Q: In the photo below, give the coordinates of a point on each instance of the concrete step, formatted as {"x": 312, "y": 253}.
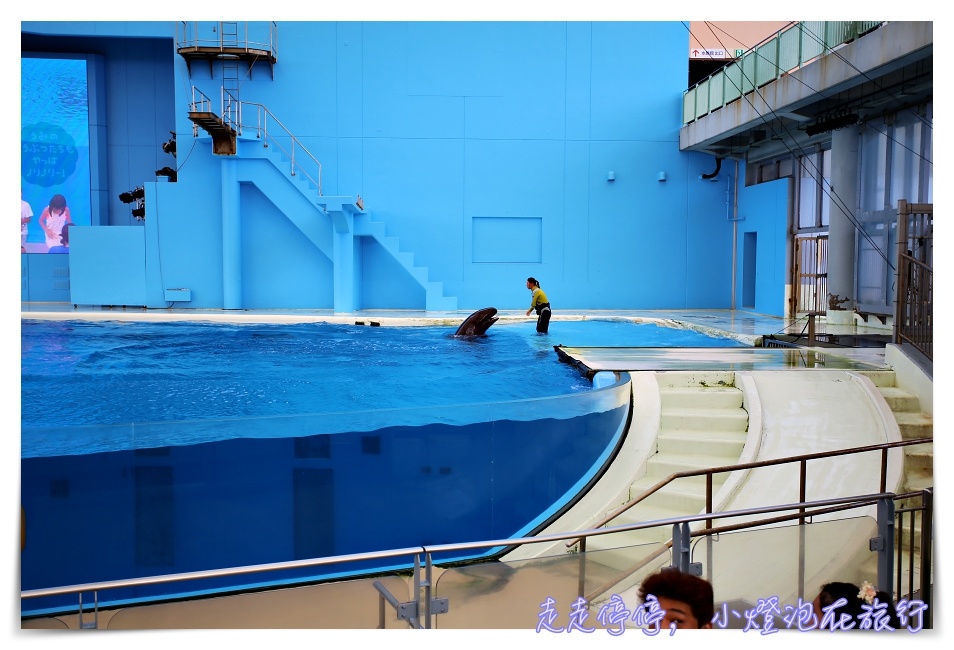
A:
{"x": 691, "y": 397}
{"x": 689, "y": 484}
{"x": 706, "y": 419}
{"x": 708, "y": 443}
{"x": 900, "y": 400}
{"x": 903, "y": 537}
{"x": 639, "y": 514}
{"x": 916, "y": 478}
{"x": 915, "y": 425}
{"x": 663, "y": 464}
{"x": 868, "y": 571}
{"x": 677, "y": 496}
{"x": 919, "y": 457}
{"x": 880, "y": 378}
{"x": 695, "y": 378}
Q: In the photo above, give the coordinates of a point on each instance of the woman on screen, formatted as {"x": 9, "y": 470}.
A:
{"x": 54, "y": 217}
{"x": 64, "y": 246}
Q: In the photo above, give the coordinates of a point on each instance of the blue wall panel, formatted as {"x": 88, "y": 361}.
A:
{"x": 507, "y": 239}
{"x": 114, "y": 252}
{"x": 416, "y": 188}
{"x": 280, "y": 268}
{"x": 185, "y": 218}
{"x": 764, "y": 208}
{"x": 385, "y": 284}
{"x": 434, "y": 124}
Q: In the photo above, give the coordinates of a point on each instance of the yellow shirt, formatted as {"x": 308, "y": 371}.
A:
{"x": 537, "y": 298}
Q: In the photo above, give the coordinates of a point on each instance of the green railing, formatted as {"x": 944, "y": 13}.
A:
{"x": 786, "y": 50}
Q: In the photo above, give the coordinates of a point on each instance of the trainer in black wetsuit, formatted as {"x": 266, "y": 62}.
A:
{"x": 540, "y": 304}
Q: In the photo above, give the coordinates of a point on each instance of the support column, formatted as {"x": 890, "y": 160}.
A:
{"x": 346, "y": 259}
{"x": 841, "y": 227}
{"x": 231, "y": 236}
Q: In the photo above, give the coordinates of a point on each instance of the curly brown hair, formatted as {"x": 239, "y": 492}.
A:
{"x": 675, "y": 585}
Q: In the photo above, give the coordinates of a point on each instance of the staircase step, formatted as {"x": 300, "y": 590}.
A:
{"x": 915, "y": 425}
{"x": 868, "y": 571}
{"x": 903, "y": 538}
{"x": 710, "y": 443}
{"x": 435, "y": 300}
{"x": 687, "y": 484}
{"x": 919, "y": 457}
{"x": 419, "y": 273}
{"x": 695, "y": 378}
{"x": 880, "y": 378}
{"x": 663, "y": 464}
{"x": 916, "y": 478}
{"x": 644, "y": 512}
{"x": 706, "y": 419}
{"x": 900, "y": 400}
{"x": 690, "y": 397}
{"x": 675, "y": 497}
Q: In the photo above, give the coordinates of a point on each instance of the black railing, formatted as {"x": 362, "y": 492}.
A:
{"x": 914, "y": 316}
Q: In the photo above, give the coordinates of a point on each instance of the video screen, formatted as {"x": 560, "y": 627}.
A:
{"x": 55, "y": 152}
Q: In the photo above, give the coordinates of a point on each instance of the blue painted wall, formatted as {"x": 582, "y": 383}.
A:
{"x": 764, "y": 210}
{"x": 484, "y": 148}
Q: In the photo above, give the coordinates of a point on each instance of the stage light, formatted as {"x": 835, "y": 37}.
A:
{"x": 169, "y": 146}
{"x": 140, "y": 212}
{"x": 167, "y": 171}
{"x": 132, "y": 195}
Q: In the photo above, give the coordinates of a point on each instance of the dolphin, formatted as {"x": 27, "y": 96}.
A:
{"x": 477, "y": 323}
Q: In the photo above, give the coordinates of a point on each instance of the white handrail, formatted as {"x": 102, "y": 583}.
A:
{"x": 261, "y": 123}
{"x": 232, "y": 113}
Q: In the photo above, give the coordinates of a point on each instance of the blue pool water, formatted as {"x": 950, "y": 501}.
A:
{"x": 502, "y": 438}
{"x": 76, "y": 373}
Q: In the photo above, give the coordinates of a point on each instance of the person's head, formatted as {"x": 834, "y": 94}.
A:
{"x": 532, "y": 283}
{"x": 65, "y": 234}
{"x": 687, "y": 599}
{"x": 830, "y": 593}
{"x": 892, "y": 613}
{"x": 58, "y": 203}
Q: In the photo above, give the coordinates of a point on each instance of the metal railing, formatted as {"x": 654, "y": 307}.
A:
{"x": 708, "y": 473}
{"x": 256, "y": 118}
{"x": 810, "y": 292}
{"x": 200, "y": 104}
{"x": 228, "y": 36}
{"x": 801, "y": 459}
{"x": 419, "y": 611}
{"x": 914, "y": 303}
{"x": 292, "y": 148}
{"x": 785, "y": 51}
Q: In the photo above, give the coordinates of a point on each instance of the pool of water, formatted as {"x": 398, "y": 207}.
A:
{"x": 81, "y": 373}
{"x": 501, "y": 437}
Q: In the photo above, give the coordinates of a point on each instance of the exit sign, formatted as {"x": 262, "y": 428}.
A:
{"x": 699, "y": 53}
{"x": 739, "y": 53}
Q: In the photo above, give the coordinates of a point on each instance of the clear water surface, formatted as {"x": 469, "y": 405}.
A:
{"x": 78, "y": 372}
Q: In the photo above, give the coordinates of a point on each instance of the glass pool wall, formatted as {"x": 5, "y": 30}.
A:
{"x": 117, "y": 503}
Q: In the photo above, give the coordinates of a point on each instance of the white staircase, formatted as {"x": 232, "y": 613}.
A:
{"x": 306, "y": 180}
{"x": 918, "y": 473}
{"x": 702, "y": 424}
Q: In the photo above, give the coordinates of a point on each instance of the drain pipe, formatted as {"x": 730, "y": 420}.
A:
{"x": 735, "y": 225}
